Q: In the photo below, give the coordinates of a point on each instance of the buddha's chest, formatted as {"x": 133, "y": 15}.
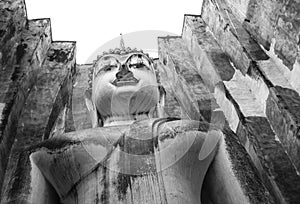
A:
{"x": 143, "y": 168}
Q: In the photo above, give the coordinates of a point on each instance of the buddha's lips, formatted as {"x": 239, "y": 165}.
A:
{"x": 125, "y": 81}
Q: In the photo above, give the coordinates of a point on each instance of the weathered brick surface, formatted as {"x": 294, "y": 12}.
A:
{"x": 47, "y": 98}
{"x": 275, "y": 167}
{"x": 80, "y": 112}
{"x": 49, "y": 92}
{"x": 269, "y": 20}
{"x": 257, "y": 64}
{"x": 255, "y": 133}
{"x": 197, "y": 34}
{"x": 10, "y": 78}
{"x": 172, "y": 108}
{"x": 276, "y": 75}
{"x": 17, "y": 80}
{"x": 283, "y": 112}
{"x": 63, "y": 81}
{"x": 39, "y": 31}
{"x": 187, "y": 85}
{"x": 231, "y": 35}
{"x": 288, "y": 18}
{"x": 260, "y": 20}
{"x": 244, "y": 98}
{"x": 211, "y": 61}
{"x": 67, "y": 117}
{"x": 220, "y": 28}
{"x": 12, "y": 21}
{"x": 255, "y": 59}
{"x": 239, "y": 8}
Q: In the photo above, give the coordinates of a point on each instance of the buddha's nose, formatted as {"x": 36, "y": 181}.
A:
{"x": 124, "y": 72}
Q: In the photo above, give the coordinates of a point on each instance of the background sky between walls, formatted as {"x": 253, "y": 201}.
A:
{"x": 97, "y": 24}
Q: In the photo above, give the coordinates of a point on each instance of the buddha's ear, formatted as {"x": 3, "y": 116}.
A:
{"x": 91, "y": 108}
{"x": 161, "y": 103}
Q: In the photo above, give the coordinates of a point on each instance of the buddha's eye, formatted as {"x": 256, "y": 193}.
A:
{"x": 138, "y": 61}
{"x": 110, "y": 67}
{"x": 137, "y": 65}
{"x": 107, "y": 64}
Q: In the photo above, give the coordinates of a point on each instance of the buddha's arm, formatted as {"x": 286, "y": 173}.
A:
{"x": 186, "y": 149}
{"x": 44, "y": 169}
{"x": 28, "y": 185}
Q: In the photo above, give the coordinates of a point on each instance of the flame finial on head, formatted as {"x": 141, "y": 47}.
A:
{"x": 122, "y": 44}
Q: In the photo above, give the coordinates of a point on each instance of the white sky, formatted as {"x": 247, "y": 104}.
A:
{"x": 93, "y": 23}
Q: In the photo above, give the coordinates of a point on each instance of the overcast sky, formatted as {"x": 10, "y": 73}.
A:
{"x": 92, "y": 23}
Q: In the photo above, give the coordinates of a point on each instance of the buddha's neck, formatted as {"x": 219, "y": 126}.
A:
{"x": 123, "y": 120}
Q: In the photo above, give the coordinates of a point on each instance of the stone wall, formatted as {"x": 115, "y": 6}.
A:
{"x": 36, "y": 78}
{"x": 247, "y": 58}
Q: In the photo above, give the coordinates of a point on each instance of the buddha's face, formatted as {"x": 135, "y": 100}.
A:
{"x": 124, "y": 84}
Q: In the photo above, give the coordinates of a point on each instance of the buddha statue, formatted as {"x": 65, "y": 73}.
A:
{"x": 133, "y": 154}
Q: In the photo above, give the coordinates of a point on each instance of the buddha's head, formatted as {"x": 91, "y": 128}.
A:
{"x": 124, "y": 83}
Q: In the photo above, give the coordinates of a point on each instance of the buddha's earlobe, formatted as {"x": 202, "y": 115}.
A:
{"x": 161, "y": 103}
{"x": 91, "y": 108}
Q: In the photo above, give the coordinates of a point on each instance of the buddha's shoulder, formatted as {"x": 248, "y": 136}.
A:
{"x": 139, "y": 129}
{"x": 142, "y": 128}
{"x": 182, "y": 125}
{"x": 166, "y": 127}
